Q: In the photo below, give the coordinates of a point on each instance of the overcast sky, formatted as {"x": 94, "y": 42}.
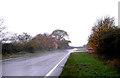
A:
{"x": 76, "y": 17}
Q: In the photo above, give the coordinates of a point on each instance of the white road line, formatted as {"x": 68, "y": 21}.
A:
{"x": 56, "y": 66}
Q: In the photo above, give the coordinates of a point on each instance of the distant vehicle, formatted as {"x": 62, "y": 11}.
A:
{"x": 90, "y": 48}
{"x": 75, "y": 49}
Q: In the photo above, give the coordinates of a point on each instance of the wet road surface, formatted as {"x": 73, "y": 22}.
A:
{"x": 39, "y": 65}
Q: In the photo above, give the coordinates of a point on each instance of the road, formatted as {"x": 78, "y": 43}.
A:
{"x": 50, "y": 64}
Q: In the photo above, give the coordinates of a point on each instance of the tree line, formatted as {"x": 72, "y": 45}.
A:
{"x": 24, "y": 42}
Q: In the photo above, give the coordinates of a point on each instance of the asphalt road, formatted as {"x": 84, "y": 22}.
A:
{"x": 50, "y": 64}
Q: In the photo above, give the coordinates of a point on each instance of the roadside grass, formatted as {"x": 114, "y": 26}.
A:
{"x": 23, "y": 54}
{"x": 82, "y": 65}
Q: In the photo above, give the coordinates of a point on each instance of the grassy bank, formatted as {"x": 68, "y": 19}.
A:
{"x": 23, "y": 54}
{"x": 81, "y": 64}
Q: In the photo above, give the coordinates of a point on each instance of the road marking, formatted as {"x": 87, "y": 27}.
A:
{"x": 56, "y": 66}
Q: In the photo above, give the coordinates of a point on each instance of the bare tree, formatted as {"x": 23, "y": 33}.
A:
{"x": 1, "y": 30}
{"x": 25, "y": 37}
{"x": 22, "y": 38}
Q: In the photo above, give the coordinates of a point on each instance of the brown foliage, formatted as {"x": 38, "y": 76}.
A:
{"x": 46, "y": 41}
{"x": 114, "y": 64}
{"x": 102, "y": 27}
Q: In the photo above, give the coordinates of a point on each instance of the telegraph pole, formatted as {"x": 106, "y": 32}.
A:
{"x": 119, "y": 14}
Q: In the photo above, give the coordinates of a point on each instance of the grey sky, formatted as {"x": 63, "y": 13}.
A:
{"x": 74, "y": 16}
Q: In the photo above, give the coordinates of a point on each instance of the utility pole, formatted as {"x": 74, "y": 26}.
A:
{"x": 119, "y": 14}
{"x": 0, "y": 59}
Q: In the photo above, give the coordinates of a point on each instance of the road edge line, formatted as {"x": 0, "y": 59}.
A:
{"x": 48, "y": 74}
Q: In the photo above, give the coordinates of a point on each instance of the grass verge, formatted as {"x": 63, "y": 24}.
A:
{"x": 23, "y": 54}
{"x": 81, "y": 65}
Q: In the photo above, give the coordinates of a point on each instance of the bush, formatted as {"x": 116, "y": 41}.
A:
{"x": 10, "y": 48}
{"x": 105, "y": 39}
{"x": 109, "y": 44}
